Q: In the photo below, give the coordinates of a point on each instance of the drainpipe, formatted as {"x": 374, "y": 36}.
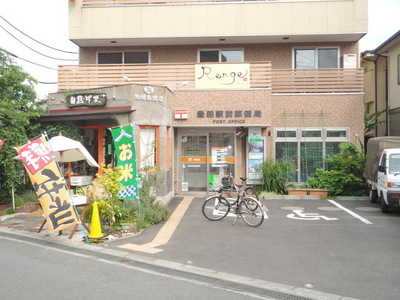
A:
{"x": 375, "y": 89}
{"x": 386, "y": 94}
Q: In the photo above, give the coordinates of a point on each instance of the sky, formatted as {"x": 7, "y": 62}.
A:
{"x": 46, "y": 21}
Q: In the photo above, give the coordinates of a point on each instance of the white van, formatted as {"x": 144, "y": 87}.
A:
{"x": 389, "y": 179}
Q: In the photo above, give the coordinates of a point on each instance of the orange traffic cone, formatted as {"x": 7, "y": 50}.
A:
{"x": 95, "y": 235}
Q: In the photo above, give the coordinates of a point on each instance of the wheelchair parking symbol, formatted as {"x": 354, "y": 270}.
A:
{"x": 301, "y": 215}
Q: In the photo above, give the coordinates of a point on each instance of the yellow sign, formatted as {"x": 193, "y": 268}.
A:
{"x": 48, "y": 184}
{"x": 222, "y": 76}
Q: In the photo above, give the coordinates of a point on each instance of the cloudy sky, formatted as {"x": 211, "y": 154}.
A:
{"x": 46, "y": 21}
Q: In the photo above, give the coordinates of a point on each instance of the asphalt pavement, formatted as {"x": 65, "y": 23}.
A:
{"x": 231, "y": 254}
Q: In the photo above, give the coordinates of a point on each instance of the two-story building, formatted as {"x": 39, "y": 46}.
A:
{"x": 216, "y": 87}
{"x": 382, "y": 85}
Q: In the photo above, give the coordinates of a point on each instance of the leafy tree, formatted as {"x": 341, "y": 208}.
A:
{"x": 344, "y": 174}
{"x": 18, "y": 108}
{"x": 371, "y": 120}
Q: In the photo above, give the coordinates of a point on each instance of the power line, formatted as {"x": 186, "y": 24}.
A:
{"x": 37, "y": 40}
{"x": 28, "y": 61}
{"x": 35, "y": 50}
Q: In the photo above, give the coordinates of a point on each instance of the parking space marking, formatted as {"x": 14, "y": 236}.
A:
{"x": 351, "y": 212}
{"x": 301, "y": 215}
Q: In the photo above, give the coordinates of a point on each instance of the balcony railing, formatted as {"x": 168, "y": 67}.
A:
{"x": 182, "y": 76}
{"x": 318, "y": 81}
{"x": 170, "y": 75}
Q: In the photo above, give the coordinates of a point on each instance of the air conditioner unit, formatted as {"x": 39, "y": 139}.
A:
{"x": 349, "y": 60}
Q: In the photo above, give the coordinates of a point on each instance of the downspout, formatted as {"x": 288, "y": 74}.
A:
{"x": 386, "y": 94}
{"x": 375, "y": 88}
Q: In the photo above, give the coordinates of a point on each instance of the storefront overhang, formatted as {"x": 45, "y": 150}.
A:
{"x": 85, "y": 114}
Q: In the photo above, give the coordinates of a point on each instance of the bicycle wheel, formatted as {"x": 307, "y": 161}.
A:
{"x": 250, "y": 192}
{"x": 251, "y": 212}
{"x": 216, "y": 208}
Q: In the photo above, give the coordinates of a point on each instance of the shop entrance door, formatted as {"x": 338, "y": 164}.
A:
{"x": 204, "y": 159}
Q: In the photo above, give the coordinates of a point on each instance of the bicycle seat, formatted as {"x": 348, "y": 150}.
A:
{"x": 243, "y": 178}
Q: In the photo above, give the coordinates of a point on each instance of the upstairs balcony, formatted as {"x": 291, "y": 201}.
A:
{"x": 185, "y": 76}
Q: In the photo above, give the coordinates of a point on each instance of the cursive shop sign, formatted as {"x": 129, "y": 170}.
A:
{"x": 222, "y": 76}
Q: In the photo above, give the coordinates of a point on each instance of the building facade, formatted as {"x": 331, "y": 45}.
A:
{"x": 382, "y": 82}
{"x": 242, "y": 82}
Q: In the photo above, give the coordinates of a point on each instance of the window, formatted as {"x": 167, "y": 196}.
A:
{"x": 223, "y": 55}
{"x": 148, "y": 150}
{"x": 398, "y": 69}
{"x": 307, "y": 148}
{"x": 316, "y": 58}
{"x": 134, "y": 57}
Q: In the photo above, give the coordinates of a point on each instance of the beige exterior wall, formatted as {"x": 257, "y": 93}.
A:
{"x": 218, "y": 19}
{"x": 279, "y": 54}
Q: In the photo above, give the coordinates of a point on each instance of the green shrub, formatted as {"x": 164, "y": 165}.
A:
{"x": 275, "y": 174}
{"x": 344, "y": 174}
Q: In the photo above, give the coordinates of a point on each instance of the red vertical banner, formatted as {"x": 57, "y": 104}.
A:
{"x": 48, "y": 184}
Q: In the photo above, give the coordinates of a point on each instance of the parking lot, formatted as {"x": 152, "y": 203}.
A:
{"x": 346, "y": 247}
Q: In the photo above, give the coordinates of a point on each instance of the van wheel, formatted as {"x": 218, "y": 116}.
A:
{"x": 373, "y": 195}
{"x": 384, "y": 206}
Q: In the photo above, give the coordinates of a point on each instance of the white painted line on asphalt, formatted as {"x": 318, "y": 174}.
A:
{"x": 351, "y": 212}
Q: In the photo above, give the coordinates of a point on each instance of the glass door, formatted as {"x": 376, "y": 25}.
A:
{"x": 222, "y": 157}
{"x": 205, "y": 158}
{"x": 193, "y": 163}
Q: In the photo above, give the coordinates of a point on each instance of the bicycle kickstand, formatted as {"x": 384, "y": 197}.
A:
{"x": 237, "y": 217}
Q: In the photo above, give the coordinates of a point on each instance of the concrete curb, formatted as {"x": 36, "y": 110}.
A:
{"x": 312, "y": 197}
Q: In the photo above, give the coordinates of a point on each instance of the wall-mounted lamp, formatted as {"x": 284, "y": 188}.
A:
{"x": 241, "y": 133}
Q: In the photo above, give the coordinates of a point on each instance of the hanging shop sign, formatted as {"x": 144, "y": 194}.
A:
{"x": 49, "y": 185}
{"x": 222, "y": 76}
{"x": 125, "y": 150}
{"x": 87, "y": 99}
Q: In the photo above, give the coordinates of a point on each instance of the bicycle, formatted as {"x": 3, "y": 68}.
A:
{"x": 243, "y": 189}
{"x": 249, "y": 209}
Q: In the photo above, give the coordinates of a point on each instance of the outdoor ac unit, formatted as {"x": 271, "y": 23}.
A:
{"x": 349, "y": 60}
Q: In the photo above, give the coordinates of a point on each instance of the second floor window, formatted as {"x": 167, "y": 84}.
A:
{"x": 221, "y": 55}
{"x": 316, "y": 58}
{"x": 134, "y": 57}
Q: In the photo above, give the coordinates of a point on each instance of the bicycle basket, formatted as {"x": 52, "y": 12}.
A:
{"x": 226, "y": 181}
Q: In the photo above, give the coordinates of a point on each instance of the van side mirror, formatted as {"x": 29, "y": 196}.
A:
{"x": 382, "y": 169}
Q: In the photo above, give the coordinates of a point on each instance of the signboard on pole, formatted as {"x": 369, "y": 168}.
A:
{"x": 49, "y": 185}
{"x": 125, "y": 150}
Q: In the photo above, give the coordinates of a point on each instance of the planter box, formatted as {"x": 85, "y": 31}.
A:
{"x": 297, "y": 191}
{"x": 318, "y": 192}
{"x": 313, "y": 192}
